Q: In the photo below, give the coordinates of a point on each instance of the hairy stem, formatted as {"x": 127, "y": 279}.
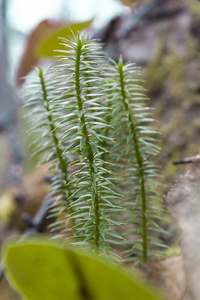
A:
{"x": 90, "y": 152}
{"x": 139, "y": 158}
{"x": 62, "y": 164}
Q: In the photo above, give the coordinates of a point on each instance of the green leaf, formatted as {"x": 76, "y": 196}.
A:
{"x": 48, "y": 46}
{"x": 41, "y": 270}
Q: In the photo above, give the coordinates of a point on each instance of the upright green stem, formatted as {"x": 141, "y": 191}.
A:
{"x": 62, "y": 164}
{"x": 90, "y": 153}
{"x": 139, "y": 159}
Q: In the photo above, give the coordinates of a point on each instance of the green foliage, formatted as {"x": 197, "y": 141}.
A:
{"x": 135, "y": 145}
{"x": 48, "y": 141}
{"x": 40, "y": 270}
{"x": 93, "y": 120}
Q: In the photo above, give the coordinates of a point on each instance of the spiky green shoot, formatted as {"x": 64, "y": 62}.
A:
{"x": 94, "y": 200}
{"x": 134, "y": 145}
{"x": 41, "y": 102}
{"x": 95, "y": 117}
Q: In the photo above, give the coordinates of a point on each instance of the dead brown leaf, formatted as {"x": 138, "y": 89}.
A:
{"x": 29, "y": 57}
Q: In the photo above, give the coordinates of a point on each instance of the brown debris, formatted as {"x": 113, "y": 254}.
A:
{"x": 167, "y": 276}
{"x": 30, "y": 58}
{"x": 183, "y": 202}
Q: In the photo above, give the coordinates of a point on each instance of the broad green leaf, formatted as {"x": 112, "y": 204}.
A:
{"x": 52, "y": 42}
{"x": 42, "y": 270}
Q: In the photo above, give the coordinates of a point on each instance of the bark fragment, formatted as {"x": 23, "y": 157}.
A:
{"x": 183, "y": 202}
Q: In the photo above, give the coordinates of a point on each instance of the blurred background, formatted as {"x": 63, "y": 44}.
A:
{"x": 23, "y": 24}
{"x": 21, "y": 16}
{"x": 160, "y": 36}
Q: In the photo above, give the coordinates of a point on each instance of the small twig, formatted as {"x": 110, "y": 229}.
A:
{"x": 1, "y": 272}
{"x": 187, "y": 160}
{"x": 37, "y": 222}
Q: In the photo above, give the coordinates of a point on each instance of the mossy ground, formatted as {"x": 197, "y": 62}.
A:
{"x": 173, "y": 86}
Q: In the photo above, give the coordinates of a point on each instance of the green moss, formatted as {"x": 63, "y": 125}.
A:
{"x": 173, "y": 84}
{"x": 194, "y": 8}
{"x": 173, "y": 251}
{"x": 155, "y": 73}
